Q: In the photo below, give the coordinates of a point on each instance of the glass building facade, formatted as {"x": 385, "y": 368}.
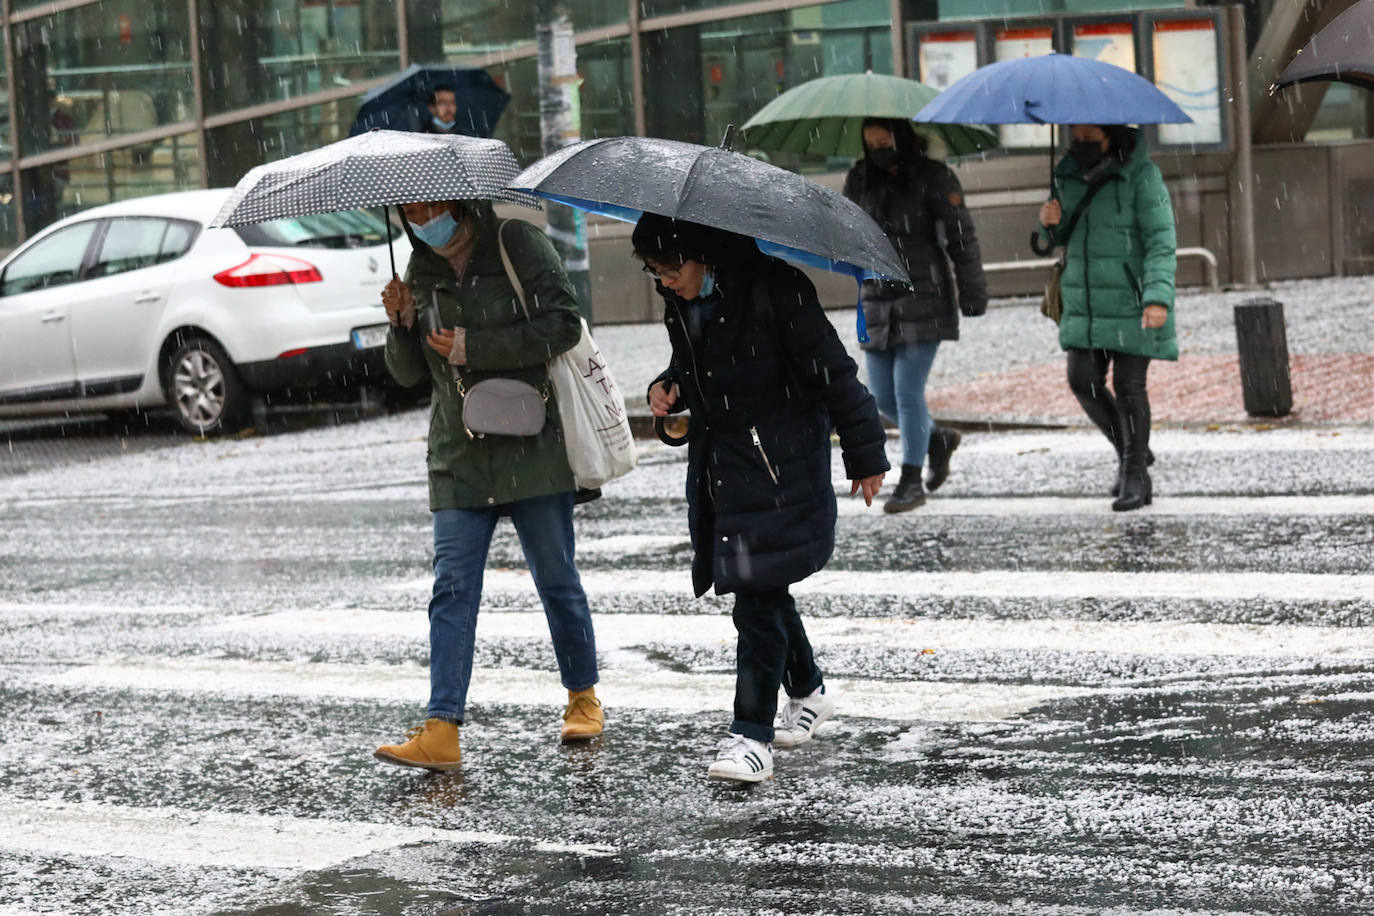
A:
{"x": 111, "y": 99}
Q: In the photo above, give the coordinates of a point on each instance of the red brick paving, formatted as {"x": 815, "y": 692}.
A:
{"x": 1327, "y": 388}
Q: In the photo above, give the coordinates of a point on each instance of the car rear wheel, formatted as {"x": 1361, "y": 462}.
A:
{"x": 203, "y": 388}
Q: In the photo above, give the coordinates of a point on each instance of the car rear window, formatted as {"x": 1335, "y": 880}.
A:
{"x": 347, "y": 229}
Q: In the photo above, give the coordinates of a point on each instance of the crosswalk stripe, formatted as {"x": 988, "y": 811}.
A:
{"x": 1171, "y": 442}
{"x": 216, "y": 839}
{"x": 94, "y": 608}
{"x": 1155, "y": 638}
{"x": 994, "y": 583}
{"x": 1171, "y": 506}
{"x": 659, "y": 690}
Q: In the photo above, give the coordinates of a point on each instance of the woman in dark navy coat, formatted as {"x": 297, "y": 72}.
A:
{"x": 765, "y": 378}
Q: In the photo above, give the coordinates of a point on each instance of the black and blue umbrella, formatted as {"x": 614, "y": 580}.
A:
{"x": 788, "y": 215}
{"x": 402, "y": 104}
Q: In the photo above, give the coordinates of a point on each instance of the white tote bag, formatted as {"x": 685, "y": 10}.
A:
{"x": 596, "y": 428}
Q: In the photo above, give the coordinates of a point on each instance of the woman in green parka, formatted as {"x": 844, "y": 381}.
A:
{"x": 456, "y": 316}
{"x": 1118, "y": 289}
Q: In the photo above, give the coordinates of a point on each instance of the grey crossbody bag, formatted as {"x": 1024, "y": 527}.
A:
{"x": 503, "y": 406}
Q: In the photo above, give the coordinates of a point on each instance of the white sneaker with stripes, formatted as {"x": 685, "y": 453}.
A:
{"x": 742, "y": 759}
{"x": 799, "y": 718}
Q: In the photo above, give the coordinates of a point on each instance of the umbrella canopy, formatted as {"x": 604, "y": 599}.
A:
{"x": 791, "y": 217}
{"x": 824, "y": 117}
{"x": 402, "y": 104}
{"x": 375, "y": 169}
{"x": 1343, "y": 51}
{"x": 1053, "y": 89}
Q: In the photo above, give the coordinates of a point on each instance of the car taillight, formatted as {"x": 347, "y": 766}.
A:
{"x": 269, "y": 270}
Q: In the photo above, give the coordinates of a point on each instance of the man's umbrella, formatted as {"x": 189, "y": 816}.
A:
{"x": 402, "y": 104}
{"x": 376, "y": 169}
{"x": 1053, "y": 89}
{"x": 789, "y": 216}
{"x": 824, "y": 117}
{"x": 1343, "y": 51}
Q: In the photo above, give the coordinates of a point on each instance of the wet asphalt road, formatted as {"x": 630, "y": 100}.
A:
{"x": 1045, "y": 708}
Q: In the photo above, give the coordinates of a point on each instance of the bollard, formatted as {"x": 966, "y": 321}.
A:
{"x": 1262, "y": 342}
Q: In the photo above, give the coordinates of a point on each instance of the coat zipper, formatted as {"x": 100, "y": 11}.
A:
{"x": 758, "y": 444}
{"x": 1087, "y": 282}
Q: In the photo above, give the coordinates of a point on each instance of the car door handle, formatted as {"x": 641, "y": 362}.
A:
{"x": 52, "y": 317}
{"x": 147, "y": 297}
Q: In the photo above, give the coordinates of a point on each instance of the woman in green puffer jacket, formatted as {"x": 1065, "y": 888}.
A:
{"x": 1118, "y": 289}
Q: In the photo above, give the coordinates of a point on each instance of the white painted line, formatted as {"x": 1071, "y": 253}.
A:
{"x": 873, "y": 699}
{"x": 1166, "y": 443}
{"x": 1208, "y": 506}
{"x": 1064, "y": 585}
{"x": 620, "y": 631}
{"x": 208, "y": 838}
{"x": 623, "y": 544}
{"x": 40, "y": 609}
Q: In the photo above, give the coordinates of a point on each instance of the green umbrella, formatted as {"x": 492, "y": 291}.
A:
{"x": 825, "y": 117}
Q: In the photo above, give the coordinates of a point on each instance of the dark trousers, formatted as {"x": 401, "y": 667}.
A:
{"x": 1123, "y": 415}
{"x": 773, "y": 651}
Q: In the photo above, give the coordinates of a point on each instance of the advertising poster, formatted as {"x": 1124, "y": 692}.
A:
{"x": 1187, "y": 71}
{"x": 1012, "y": 44}
{"x": 944, "y": 57}
{"x": 1109, "y": 42}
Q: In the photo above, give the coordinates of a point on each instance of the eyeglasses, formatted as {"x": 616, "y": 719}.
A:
{"x": 657, "y": 274}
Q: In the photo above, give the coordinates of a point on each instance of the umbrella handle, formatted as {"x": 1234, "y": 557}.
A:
{"x": 1036, "y": 245}
{"x": 390, "y": 249}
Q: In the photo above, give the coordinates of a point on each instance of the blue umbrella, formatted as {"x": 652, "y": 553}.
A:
{"x": 402, "y": 104}
{"x": 1052, "y": 89}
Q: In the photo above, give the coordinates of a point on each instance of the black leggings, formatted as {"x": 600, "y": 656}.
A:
{"x": 1124, "y": 418}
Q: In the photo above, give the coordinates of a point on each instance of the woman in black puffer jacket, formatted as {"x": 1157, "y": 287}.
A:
{"x": 765, "y": 377}
{"x": 918, "y": 202}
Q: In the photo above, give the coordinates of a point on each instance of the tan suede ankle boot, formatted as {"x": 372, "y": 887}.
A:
{"x": 583, "y": 719}
{"x": 433, "y": 746}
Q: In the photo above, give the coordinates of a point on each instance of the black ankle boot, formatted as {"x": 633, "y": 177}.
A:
{"x": 943, "y": 442}
{"x": 1121, "y": 469}
{"x": 909, "y": 493}
{"x": 1136, "y": 488}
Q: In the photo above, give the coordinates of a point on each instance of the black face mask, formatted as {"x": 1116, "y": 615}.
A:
{"x": 884, "y": 157}
{"x": 1087, "y": 153}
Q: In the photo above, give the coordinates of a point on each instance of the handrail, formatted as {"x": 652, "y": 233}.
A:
{"x": 1207, "y": 257}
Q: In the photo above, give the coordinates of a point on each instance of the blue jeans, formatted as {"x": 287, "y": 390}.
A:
{"x": 462, "y": 538}
{"x": 897, "y": 378}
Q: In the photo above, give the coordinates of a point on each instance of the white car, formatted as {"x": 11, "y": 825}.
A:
{"x": 138, "y": 304}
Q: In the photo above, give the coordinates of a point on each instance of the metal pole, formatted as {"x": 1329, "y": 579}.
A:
{"x": 198, "y": 91}
{"x": 560, "y": 124}
{"x": 898, "y": 39}
{"x": 1244, "y": 170}
{"x": 16, "y": 174}
{"x": 403, "y": 33}
{"x": 637, "y": 69}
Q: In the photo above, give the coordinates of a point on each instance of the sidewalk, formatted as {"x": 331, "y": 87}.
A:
{"x": 1007, "y": 369}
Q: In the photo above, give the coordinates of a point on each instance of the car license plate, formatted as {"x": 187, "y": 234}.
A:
{"x": 367, "y": 338}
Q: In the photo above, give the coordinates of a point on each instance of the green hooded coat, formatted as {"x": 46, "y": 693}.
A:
{"x": 1120, "y": 258}
{"x": 467, "y": 472}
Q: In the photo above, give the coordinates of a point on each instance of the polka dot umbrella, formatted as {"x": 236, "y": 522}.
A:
{"x": 380, "y": 168}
